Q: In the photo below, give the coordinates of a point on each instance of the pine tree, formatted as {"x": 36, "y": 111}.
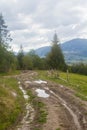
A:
{"x": 7, "y": 58}
{"x": 20, "y": 57}
{"x": 4, "y": 32}
{"x": 55, "y": 58}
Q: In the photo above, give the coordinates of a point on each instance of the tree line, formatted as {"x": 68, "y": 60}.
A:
{"x": 30, "y": 61}
{"x": 7, "y": 58}
{"x": 79, "y": 68}
{"x": 22, "y": 61}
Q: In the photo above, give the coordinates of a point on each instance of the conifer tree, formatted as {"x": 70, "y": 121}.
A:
{"x": 7, "y": 58}
{"x": 20, "y": 57}
{"x": 55, "y": 58}
{"x": 4, "y": 32}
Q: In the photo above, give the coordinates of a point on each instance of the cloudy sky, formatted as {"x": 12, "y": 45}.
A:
{"x": 33, "y": 22}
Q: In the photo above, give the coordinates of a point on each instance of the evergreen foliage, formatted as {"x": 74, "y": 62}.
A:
{"x": 29, "y": 61}
{"x": 79, "y": 68}
{"x": 4, "y": 32}
{"x": 7, "y": 58}
{"x": 20, "y": 58}
{"x": 55, "y": 58}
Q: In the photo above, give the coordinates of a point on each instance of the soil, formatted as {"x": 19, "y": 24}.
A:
{"x": 65, "y": 110}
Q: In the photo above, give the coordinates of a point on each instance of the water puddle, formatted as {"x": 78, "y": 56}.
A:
{"x": 61, "y": 86}
{"x": 27, "y": 119}
{"x": 29, "y": 112}
{"x": 24, "y": 92}
{"x": 46, "y": 88}
{"x": 42, "y": 93}
{"x": 28, "y": 82}
{"x": 40, "y": 81}
{"x": 19, "y": 82}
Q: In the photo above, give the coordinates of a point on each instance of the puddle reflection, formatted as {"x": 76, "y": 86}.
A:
{"x": 42, "y": 93}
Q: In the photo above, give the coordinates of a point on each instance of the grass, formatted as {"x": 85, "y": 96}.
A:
{"x": 42, "y": 116}
{"x": 75, "y": 81}
{"x": 15, "y": 72}
{"x": 11, "y": 101}
{"x": 58, "y": 129}
{"x": 78, "y": 83}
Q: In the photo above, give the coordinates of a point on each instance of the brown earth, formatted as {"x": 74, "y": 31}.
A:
{"x": 65, "y": 110}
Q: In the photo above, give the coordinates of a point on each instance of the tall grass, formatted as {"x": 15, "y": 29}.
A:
{"x": 11, "y": 101}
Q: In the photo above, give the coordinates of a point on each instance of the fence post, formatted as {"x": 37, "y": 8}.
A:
{"x": 67, "y": 75}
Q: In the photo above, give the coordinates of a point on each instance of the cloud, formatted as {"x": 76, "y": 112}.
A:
{"x": 32, "y": 23}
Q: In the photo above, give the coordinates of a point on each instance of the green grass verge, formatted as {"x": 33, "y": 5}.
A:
{"x": 11, "y": 102}
{"x": 58, "y": 129}
{"x": 42, "y": 116}
{"x": 15, "y": 72}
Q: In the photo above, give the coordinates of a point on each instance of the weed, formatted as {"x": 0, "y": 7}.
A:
{"x": 58, "y": 129}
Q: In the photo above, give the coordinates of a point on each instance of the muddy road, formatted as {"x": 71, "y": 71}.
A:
{"x": 65, "y": 111}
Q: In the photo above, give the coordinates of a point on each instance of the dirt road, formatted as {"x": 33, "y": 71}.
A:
{"x": 65, "y": 110}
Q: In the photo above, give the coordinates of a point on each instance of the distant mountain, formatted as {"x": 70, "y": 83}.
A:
{"x": 74, "y": 50}
{"x": 78, "y": 46}
{"x": 42, "y": 52}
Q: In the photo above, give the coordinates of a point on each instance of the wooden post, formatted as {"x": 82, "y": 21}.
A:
{"x": 67, "y": 75}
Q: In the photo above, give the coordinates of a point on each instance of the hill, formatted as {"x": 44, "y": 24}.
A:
{"x": 76, "y": 45}
{"x": 43, "y": 51}
{"x": 74, "y": 50}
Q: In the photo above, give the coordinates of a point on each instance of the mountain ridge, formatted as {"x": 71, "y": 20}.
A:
{"x": 73, "y": 50}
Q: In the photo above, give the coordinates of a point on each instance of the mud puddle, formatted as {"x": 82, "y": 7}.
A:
{"x": 24, "y": 92}
{"x": 29, "y": 112}
{"x": 42, "y": 93}
{"x": 40, "y": 81}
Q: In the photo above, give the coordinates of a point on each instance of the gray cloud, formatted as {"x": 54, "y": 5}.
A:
{"x": 32, "y": 23}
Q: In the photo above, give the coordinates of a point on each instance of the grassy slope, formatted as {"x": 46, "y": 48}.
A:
{"x": 77, "y": 82}
{"x": 11, "y": 101}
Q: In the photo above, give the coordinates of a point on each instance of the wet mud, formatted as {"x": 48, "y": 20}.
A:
{"x": 65, "y": 110}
